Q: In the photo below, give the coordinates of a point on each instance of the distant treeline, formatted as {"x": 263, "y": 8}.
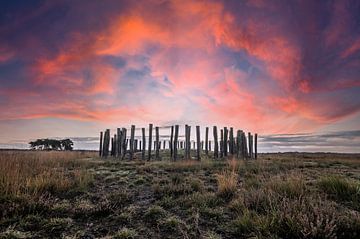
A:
{"x": 52, "y": 144}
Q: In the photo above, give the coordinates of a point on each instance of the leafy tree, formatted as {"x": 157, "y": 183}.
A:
{"x": 52, "y": 144}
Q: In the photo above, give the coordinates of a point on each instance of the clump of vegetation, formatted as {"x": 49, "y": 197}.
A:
{"x": 341, "y": 189}
{"x": 125, "y": 233}
{"x": 227, "y": 184}
{"x": 154, "y": 214}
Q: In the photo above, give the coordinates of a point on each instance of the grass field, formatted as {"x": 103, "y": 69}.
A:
{"x": 77, "y": 195}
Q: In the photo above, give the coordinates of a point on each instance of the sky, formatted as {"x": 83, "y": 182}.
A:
{"x": 287, "y": 70}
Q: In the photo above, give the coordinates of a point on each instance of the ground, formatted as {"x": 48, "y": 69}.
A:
{"x": 289, "y": 195}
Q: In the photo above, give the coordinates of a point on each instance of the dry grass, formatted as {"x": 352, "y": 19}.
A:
{"x": 227, "y": 182}
{"x": 34, "y": 172}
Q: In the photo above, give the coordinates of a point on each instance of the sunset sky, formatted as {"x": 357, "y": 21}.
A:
{"x": 72, "y": 68}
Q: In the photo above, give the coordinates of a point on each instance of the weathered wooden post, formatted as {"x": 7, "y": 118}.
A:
{"x": 118, "y": 139}
{"x": 221, "y": 143}
{"x": 164, "y": 144}
{"x": 231, "y": 141}
{"x": 210, "y": 145}
{"x": 171, "y": 142}
{"x": 187, "y": 141}
{"x": 207, "y": 140}
{"x": 115, "y": 145}
{"x": 249, "y": 144}
{"x": 112, "y": 147}
{"x": 216, "y": 143}
{"x": 140, "y": 148}
{"x": 256, "y": 146}
{"x": 150, "y": 141}
{"x": 132, "y": 143}
{"x": 123, "y": 142}
{"x": 225, "y": 141}
{"x": 237, "y": 145}
{"x": 176, "y": 142}
{"x": 106, "y": 143}
{"x": 143, "y": 144}
{"x": 198, "y": 142}
{"x": 101, "y": 144}
{"x": 135, "y": 145}
{"x": 157, "y": 143}
{"x": 181, "y": 144}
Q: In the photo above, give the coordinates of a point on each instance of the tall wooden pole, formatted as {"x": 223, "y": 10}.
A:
{"x": 132, "y": 136}
{"x": 101, "y": 144}
{"x": 123, "y": 142}
{"x": 150, "y": 141}
{"x": 231, "y": 141}
{"x": 119, "y": 142}
{"x": 198, "y": 142}
{"x": 172, "y": 142}
{"x": 157, "y": 143}
{"x": 175, "y": 146}
{"x": 207, "y": 140}
{"x": 256, "y": 146}
{"x": 143, "y": 143}
{"x": 221, "y": 143}
{"x": 216, "y": 143}
{"x": 225, "y": 142}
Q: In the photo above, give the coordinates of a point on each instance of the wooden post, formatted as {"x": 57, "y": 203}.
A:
{"x": 221, "y": 143}
{"x": 164, "y": 144}
{"x": 216, "y": 143}
{"x": 255, "y": 145}
{"x": 187, "y": 141}
{"x": 238, "y": 144}
{"x": 140, "y": 148}
{"x": 207, "y": 140}
{"x": 132, "y": 143}
{"x": 115, "y": 145}
{"x": 144, "y": 143}
{"x": 118, "y": 139}
{"x": 123, "y": 142}
{"x": 225, "y": 149}
{"x": 101, "y": 144}
{"x": 135, "y": 145}
{"x": 249, "y": 143}
{"x": 175, "y": 146}
{"x": 198, "y": 142}
{"x": 157, "y": 143}
{"x": 172, "y": 142}
{"x": 181, "y": 144}
{"x": 112, "y": 147}
{"x": 150, "y": 141}
{"x": 231, "y": 141}
{"x": 210, "y": 145}
{"x": 106, "y": 143}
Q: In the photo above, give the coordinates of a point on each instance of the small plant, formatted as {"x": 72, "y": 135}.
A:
{"x": 227, "y": 184}
{"x": 125, "y": 233}
{"x": 154, "y": 214}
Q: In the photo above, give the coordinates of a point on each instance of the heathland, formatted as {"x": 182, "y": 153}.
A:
{"x": 78, "y": 195}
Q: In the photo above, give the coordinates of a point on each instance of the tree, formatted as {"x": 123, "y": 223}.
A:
{"x": 52, "y": 144}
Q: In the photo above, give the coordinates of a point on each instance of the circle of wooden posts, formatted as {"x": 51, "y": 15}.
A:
{"x": 241, "y": 146}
